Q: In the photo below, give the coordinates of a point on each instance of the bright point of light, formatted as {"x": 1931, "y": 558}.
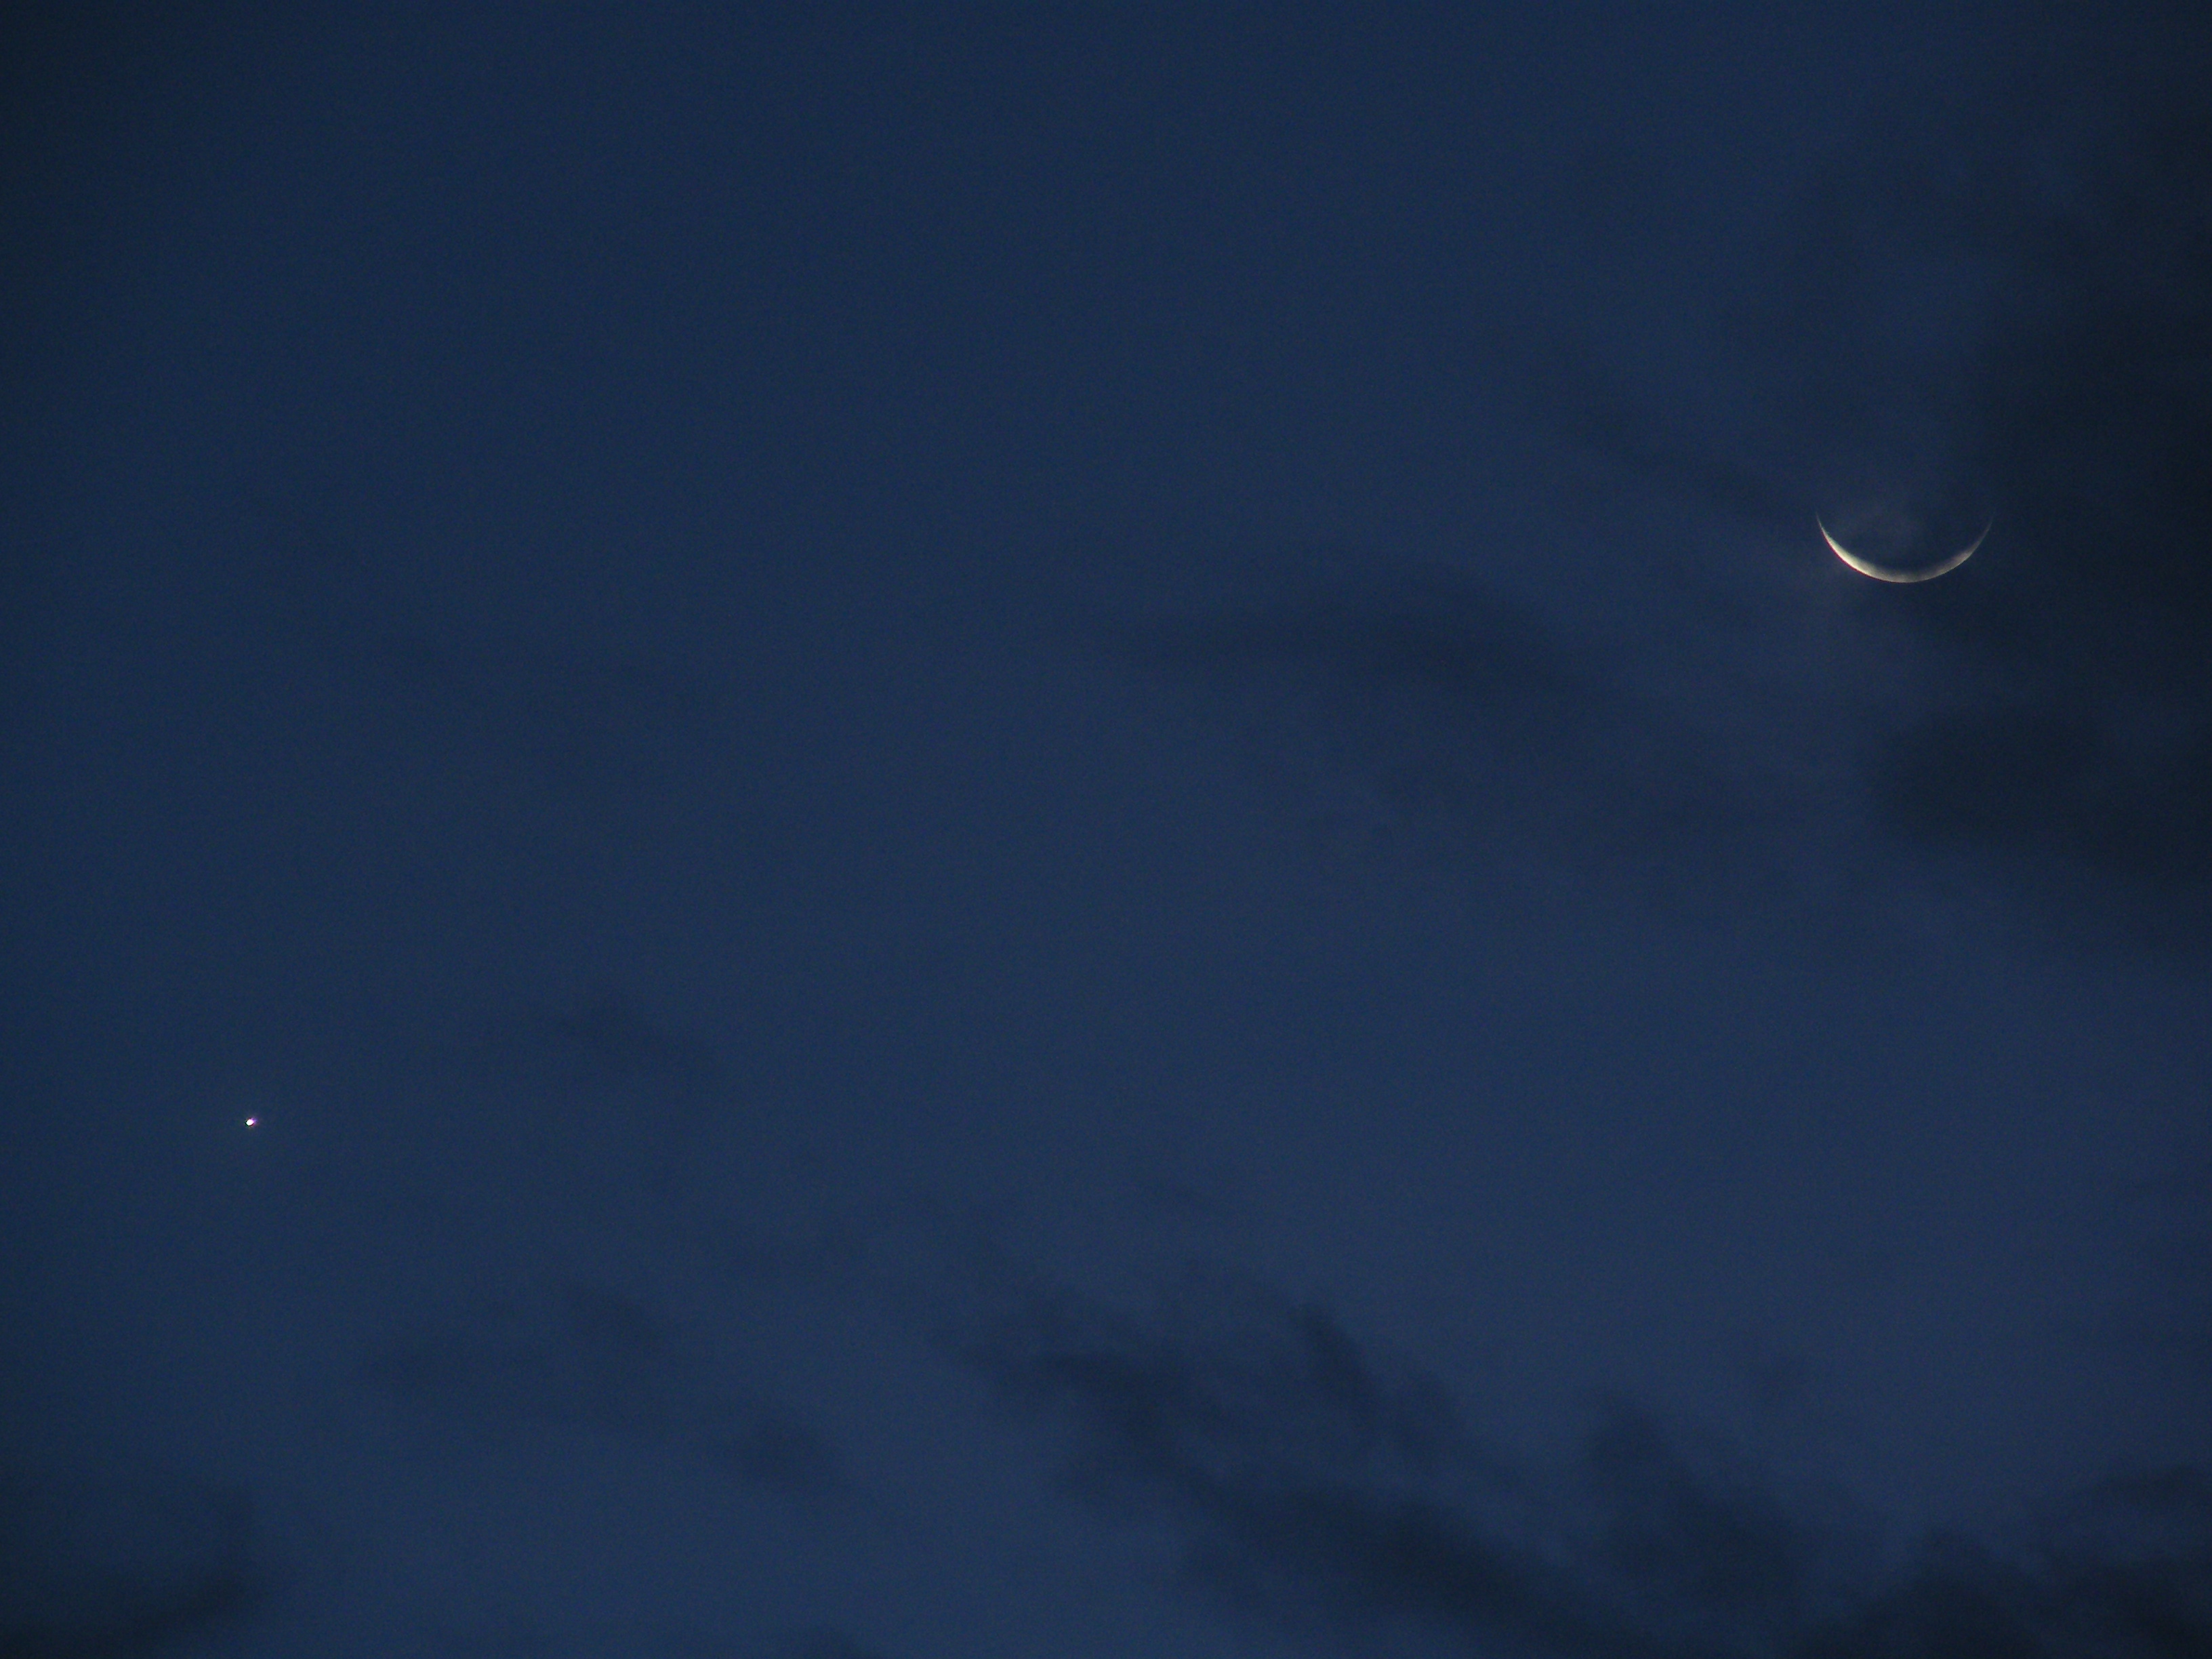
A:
{"x": 251, "y": 1121}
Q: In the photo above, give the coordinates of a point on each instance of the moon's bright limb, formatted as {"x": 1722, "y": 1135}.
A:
{"x": 1883, "y": 573}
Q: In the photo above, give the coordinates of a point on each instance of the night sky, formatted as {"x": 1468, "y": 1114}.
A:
{"x": 936, "y": 832}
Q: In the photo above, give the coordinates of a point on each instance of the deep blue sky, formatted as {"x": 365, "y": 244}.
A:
{"x": 1049, "y": 830}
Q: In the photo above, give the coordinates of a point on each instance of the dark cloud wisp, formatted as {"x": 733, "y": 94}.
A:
{"x": 2092, "y": 754}
{"x": 122, "y": 1567}
{"x": 1322, "y": 1490}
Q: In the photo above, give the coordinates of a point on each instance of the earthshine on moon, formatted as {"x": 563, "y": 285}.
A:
{"x": 1884, "y": 574}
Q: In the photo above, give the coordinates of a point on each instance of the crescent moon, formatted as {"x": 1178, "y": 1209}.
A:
{"x": 1883, "y": 573}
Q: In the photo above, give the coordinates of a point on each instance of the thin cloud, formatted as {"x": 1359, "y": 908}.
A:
{"x": 1429, "y": 709}
{"x": 825, "y": 1644}
{"x": 580, "y": 1356}
{"x": 122, "y": 1568}
{"x": 785, "y": 1457}
{"x": 523, "y": 1638}
{"x": 585, "y": 715}
{"x": 605, "y": 1039}
{"x": 1323, "y": 1491}
{"x": 2088, "y": 766}
{"x": 2020, "y": 316}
